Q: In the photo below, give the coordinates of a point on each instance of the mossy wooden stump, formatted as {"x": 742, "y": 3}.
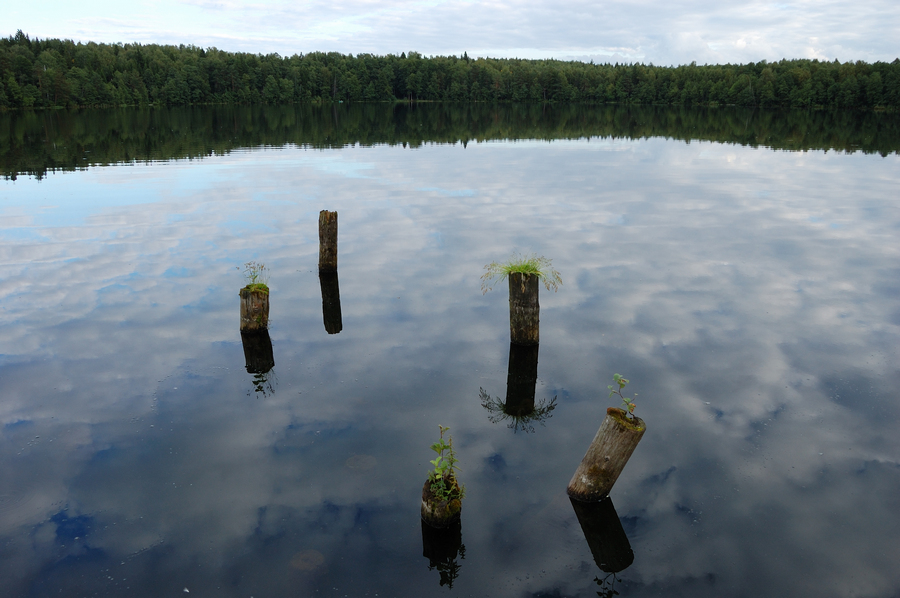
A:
{"x": 254, "y": 308}
{"x": 328, "y": 231}
{"x": 524, "y": 309}
{"x": 605, "y": 459}
{"x": 437, "y": 511}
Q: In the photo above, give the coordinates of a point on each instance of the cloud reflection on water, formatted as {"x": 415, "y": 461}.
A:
{"x": 762, "y": 342}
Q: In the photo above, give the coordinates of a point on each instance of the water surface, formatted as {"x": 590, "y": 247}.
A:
{"x": 750, "y": 295}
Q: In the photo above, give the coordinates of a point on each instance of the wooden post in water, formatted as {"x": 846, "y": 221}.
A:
{"x": 328, "y": 236}
{"x": 605, "y": 459}
{"x": 254, "y": 309}
{"x": 524, "y": 309}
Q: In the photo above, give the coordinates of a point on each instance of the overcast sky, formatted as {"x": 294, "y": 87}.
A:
{"x": 657, "y": 31}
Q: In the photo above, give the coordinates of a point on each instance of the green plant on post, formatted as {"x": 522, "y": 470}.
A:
{"x": 535, "y": 265}
{"x": 257, "y": 276}
{"x": 442, "y": 478}
{"x": 620, "y": 382}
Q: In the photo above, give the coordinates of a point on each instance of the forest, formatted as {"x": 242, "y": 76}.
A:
{"x": 35, "y": 142}
{"x": 36, "y": 73}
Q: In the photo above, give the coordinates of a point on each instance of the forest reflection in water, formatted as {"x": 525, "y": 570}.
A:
{"x": 750, "y": 296}
{"x": 37, "y": 142}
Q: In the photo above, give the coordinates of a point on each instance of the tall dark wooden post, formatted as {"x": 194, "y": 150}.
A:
{"x": 524, "y": 309}
{"x": 605, "y": 459}
{"x": 328, "y": 238}
{"x": 254, "y": 309}
{"x": 604, "y": 534}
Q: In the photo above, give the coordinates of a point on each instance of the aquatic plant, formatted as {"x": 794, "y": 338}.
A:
{"x": 442, "y": 478}
{"x": 257, "y": 276}
{"x": 533, "y": 265}
{"x": 628, "y": 403}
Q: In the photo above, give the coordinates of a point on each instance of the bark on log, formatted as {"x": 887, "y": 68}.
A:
{"x": 605, "y": 459}
{"x": 604, "y": 534}
{"x": 328, "y": 237}
{"x": 524, "y": 309}
{"x": 521, "y": 379}
{"x": 331, "y": 302}
{"x": 258, "y": 354}
{"x": 254, "y": 309}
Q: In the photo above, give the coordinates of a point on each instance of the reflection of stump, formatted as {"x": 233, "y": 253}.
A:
{"x": 328, "y": 231}
{"x": 437, "y": 511}
{"x": 524, "y": 309}
{"x": 331, "y": 302}
{"x": 258, "y": 351}
{"x": 604, "y": 534}
{"x": 605, "y": 459}
{"x": 441, "y": 544}
{"x": 254, "y": 309}
{"x": 441, "y": 547}
{"x": 521, "y": 379}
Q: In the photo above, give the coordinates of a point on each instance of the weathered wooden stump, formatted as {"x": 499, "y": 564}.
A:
{"x": 331, "y": 302}
{"x": 258, "y": 353}
{"x": 521, "y": 379}
{"x": 524, "y": 309}
{"x": 328, "y": 237}
{"x": 604, "y": 534}
{"x": 437, "y": 511}
{"x": 605, "y": 459}
{"x": 254, "y": 308}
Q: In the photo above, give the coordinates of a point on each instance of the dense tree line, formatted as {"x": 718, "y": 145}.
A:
{"x": 36, "y": 142}
{"x": 53, "y": 72}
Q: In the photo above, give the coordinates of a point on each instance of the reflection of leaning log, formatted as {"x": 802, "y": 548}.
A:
{"x": 521, "y": 379}
{"x": 604, "y": 534}
{"x": 331, "y": 302}
{"x": 441, "y": 546}
{"x": 258, "y": 351}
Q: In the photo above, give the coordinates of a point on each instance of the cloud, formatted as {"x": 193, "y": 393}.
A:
{"x": 664, "y": 33}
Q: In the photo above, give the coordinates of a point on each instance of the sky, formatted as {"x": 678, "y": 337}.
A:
{"x": 668, "y": 32}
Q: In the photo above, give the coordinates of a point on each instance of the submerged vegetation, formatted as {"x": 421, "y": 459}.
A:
{"x": 58, "y": 73}
{"x": 532, "y": 265}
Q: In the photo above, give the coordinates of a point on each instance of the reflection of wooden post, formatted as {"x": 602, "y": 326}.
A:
{"x": 254, "y": 309}
{"x": 441, "y": 547}
{"x": 258, "y": 351}
{"x": 331, "y": 302}
{"x": 328, "y": 229}
{"x": 524, "y": 309}
{"x": 606, "y": 457}
{"x": 604, "y": 534}
{"x": 521, "y": 379}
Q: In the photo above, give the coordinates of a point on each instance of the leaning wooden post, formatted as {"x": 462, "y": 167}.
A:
{"x": 328, "y": 229}
{"x": 254, "y": 308}
{"x": 605, "y": 459}
{"x": 524, "y": 309}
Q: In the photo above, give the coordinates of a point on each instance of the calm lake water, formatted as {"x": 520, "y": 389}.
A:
{"x": 750, "y": 294}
